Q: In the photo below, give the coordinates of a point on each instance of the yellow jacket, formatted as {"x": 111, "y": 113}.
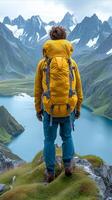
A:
{"x": 58, "y": 48}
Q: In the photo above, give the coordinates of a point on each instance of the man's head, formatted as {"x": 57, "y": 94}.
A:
{"x": 57, "y": 33}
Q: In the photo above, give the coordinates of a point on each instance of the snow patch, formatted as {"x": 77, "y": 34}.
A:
{"x": 92, "y": 42}
{"x": 37, "y": 34}
{"x": 16, "y": 32}
{"x": 76, "y": 41}
{"x": 47, "y": 28}
{"x": 43, "y": 37}
{"x": 30, "y": 39}
{"x": 72, "y": 27}
{"x": 109, "y": 52}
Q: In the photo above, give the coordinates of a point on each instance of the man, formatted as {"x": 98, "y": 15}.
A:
{"x": 58, "y": 97}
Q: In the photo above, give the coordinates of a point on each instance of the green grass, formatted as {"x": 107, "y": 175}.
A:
{"x": 30, "y": 185}
{"x": 4, "y": 136}
{"x": 17, "y": 86}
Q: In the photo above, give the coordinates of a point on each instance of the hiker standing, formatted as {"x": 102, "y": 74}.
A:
{"x": 58, "y": 95}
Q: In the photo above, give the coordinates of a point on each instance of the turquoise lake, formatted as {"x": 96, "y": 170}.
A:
{"x": 93, "y": 134}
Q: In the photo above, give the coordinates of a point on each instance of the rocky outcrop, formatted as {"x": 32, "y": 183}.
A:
{"x": 9, "y": 128}
{"x": 8, "y": 160}
{"x": 102, "y": 175}
{"x": 8, "y": 122}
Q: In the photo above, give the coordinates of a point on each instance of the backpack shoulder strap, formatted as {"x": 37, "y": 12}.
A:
{"x": 71, "y": 78}
{"x": 47, "y": 70}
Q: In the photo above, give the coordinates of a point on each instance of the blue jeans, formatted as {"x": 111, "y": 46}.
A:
{"x": 50, "y": 133}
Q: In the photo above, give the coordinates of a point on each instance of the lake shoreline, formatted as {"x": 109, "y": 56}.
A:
{"x": 9, "y": 89}
{"x": 33, "y": 135}
{"x": 92, "y": 110}
{"x": 83, "y": 105}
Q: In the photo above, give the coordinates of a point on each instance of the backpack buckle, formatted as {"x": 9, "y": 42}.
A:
{"x": 47, "y": 94}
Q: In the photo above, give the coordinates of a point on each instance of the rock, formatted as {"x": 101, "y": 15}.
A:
{"x": 101, "y": 175}
{"x": 2, "y": 187}
{"x": 110, "y": 174}
{"x": 5, "y": 163}
{"x": 8, "y": 160}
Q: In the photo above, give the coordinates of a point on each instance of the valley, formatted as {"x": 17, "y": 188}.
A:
{"x": 91, "y": 39}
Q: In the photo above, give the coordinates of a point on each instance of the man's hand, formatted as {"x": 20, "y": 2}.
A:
{"x": 39, "y": 115}
{"x": 77, "y": 114}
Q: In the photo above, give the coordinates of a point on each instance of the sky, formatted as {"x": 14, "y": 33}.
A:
{"x": 55, "y": 9}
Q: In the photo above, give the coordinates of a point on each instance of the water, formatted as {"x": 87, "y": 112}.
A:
{"x": 93, "y": 134}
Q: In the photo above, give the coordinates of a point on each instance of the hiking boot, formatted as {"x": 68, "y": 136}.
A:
{"x": 69, "y": 170}
{"x": 49, "y": 176}
{"x": 68, "y": 165}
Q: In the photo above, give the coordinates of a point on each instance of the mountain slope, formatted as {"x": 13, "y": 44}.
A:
{"x": 110, "y": 21}
{"x": 16, "y": 60}
{"x": 105, "y": 46}
{"x": 97, "y": 86}
{"x": 9, "y": 128}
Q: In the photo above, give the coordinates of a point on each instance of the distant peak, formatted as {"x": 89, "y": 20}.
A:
{"x": 68, "y": 14}
{"x": 94, "y": 15}
{"x": 20, "y": 17}
{"x": 7, "y": 20}
{"x": 35, "y": 17}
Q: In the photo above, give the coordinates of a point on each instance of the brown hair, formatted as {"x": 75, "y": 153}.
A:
{"x": 58, "y": 32}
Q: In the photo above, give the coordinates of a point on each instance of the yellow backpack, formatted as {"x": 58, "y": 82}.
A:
{"x": 59, "y": 83}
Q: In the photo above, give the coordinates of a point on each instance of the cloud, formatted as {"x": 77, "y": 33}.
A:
{"x": 46, "y": 9}
{"x": 55, "y": 9}
{"x": 82, "y": 8}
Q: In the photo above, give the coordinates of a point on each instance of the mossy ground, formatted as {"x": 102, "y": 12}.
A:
{"x": 30, "y": 184}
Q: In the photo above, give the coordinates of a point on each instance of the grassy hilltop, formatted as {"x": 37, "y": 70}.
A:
{"x": 30, "y": 185}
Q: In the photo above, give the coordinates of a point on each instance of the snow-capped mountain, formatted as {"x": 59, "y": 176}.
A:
{"x": 69, "y": 22}
{"x": 86, "y": 30}
{"x": 29, "y": 32}
{"x": 21, "y": 40}
{"x": 90, "y": 33}
{"x": 19, "y": 21}
{"x": 33, "y": 30}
